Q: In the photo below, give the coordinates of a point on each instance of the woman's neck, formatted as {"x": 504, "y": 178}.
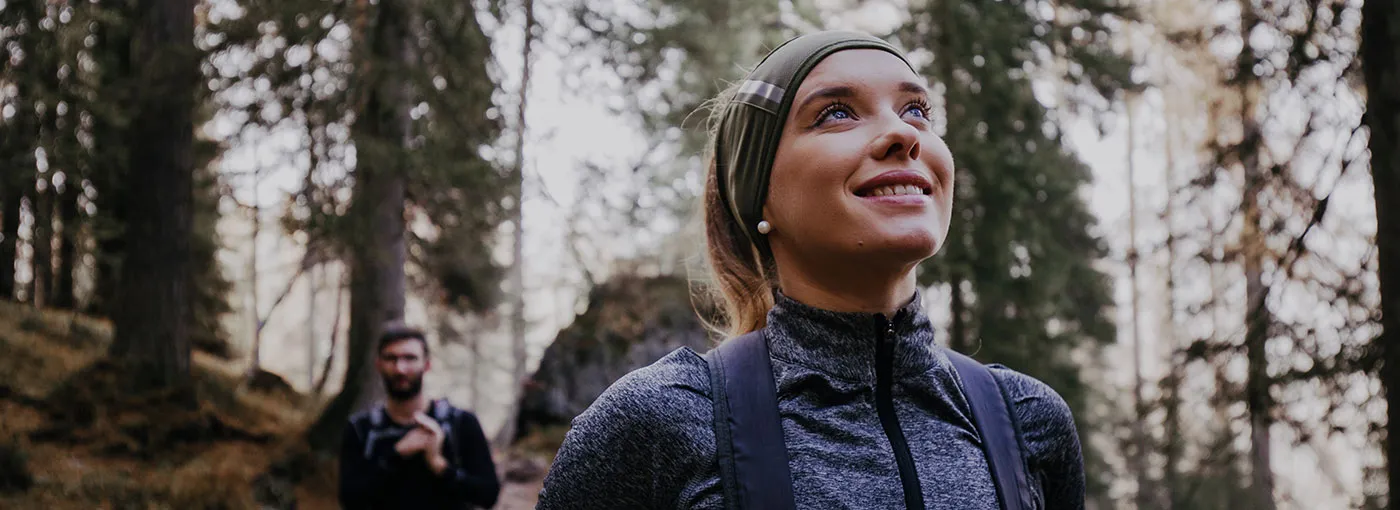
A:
{"x": 867, "y": 294}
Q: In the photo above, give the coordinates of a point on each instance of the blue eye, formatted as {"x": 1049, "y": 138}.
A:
{"x": 835, "y": 111}
{"x": 919, "y": 107}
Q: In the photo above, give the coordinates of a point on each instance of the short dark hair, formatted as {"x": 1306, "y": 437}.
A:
{"x": 396, "y": 332}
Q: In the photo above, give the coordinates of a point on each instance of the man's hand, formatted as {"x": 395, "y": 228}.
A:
{"x": 432, "y": 451}
{"x": 416, "y": 440}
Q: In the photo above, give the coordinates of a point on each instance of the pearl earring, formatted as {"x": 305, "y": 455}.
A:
{"x": 764, "y": 227}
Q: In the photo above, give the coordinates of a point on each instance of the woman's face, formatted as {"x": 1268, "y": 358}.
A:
{"x": 860, "y": 176}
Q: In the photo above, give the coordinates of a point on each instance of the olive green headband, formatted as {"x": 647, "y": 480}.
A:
{"x": 752, "y": 122}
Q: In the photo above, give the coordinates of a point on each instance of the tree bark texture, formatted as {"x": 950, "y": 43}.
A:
{"x": 151, "y": 319}
{"x": 1380, "y": 54}
{"x": 41, "y": 206}
{"x": 63, "y": 291}
{"x": 11, "y": 194}
{"x": 377, "y": 278}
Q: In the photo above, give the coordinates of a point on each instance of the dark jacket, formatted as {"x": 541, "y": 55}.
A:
{"x": 374, "y": 476}
{"x": 648, "y": 441}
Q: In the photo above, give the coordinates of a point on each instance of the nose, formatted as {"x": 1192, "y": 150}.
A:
{"x": 897, "y": 139}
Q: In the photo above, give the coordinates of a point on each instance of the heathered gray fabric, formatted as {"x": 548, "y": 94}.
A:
{"x": 647, "y": 442}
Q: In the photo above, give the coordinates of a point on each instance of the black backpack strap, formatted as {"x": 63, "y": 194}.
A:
{"x": 753, "y": 461}
{"x": 443, "y": 412}
{"x": 992, "y": 414}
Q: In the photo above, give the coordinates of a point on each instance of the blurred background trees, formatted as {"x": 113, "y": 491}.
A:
{"x": 1173, "y": 212}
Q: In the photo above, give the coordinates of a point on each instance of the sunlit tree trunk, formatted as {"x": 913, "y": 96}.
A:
{"x": 1140, "y": 448}
{"x": 1252, "y": 242}
{"x": 517, "y": 268}
{"x": 1174, "y": 442}
{"x": 255, "y": 352}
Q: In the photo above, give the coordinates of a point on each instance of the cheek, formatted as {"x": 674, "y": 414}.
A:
{"x": 940, "y": 160}
{"x": 808, "y": 181}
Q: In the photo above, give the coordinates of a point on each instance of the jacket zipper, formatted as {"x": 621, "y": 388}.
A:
{"x": 884, "y": 407}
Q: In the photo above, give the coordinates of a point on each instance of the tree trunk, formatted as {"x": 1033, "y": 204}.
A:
{"x": 1257, "y": 321}
{"x": 1380, "y": 36}
{"x": 1257, "y": 385}
{"x": 377, "y": 237}
{"x": 151, "y": 323}
{"x": 41, "y": 206}
{"x": 18, "y": 137}
{"x": 335, "y": 339}
{"x": 255, "y": 353}
{"x": 46, "y": 62}
{"x": 313, "y": 285}
{"x": 957, "y": 308}
{"x": 474, "y": 366}
{"x": 13, "y": 194}
{"x": 1138, "y": 456}
{"x": 63, "y": 291}
{"x": 517, "y": 268}
{"x": 1171, "y": 402}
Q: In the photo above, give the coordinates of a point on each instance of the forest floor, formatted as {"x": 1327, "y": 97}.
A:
{"x": 71, "y": 438}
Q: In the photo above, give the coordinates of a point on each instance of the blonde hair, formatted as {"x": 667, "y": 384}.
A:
{"x": 741, "y": 275}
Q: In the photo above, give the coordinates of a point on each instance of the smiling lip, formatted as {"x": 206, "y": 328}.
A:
{"x": 896, "y": 178}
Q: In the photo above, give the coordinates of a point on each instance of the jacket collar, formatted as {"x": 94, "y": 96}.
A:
{"x": 843, "y": 344}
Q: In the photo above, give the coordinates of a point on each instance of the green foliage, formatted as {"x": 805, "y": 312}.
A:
{"x": 671, "y": 56}
{"x": 73, "y": 72}
{"x": 210, "y": 287}
{"x": 1020, "y": 253}
{"x": 312, "y": 70}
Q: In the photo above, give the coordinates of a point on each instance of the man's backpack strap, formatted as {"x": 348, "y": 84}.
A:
{"x": 442, "y": 412}
{"x": 753, "y": 461}
{"x": 992, "y": 415}
{"x": 376, "y": 419}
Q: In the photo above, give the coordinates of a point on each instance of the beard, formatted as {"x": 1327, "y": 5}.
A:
{"x": 402, "y": 392}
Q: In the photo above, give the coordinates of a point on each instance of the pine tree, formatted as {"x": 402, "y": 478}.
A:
{"x": 409, "y": 83}
{"x": 151, "y": 324}
{"x": 20, "y": 128}
{"x": 10, "y": 198}
{"x": 1277, "y": 147}
{"x": 671, "y": 57}
{"x": 1019, "y": 259}
{"x": 1380, "y": 38}
{"x": 519, "y": 359}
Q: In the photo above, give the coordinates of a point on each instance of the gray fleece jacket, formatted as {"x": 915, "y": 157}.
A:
{"x": 648, "y": 442}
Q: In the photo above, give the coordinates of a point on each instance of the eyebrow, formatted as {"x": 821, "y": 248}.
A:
{"x": 846, "y": 91}
{"x": 839, "y": 91}
{"x": 912, "y": 88}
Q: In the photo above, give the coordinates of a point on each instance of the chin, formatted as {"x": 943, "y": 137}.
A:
{"x": 906, "y": 247}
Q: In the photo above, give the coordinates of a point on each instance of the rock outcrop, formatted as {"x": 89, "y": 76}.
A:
{"x": 630, "y": 322}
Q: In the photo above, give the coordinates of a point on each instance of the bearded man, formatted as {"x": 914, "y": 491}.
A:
{"x": 412, "y": 452}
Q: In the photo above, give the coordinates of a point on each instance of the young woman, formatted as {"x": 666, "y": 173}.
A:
{"x": 827, "y": 187}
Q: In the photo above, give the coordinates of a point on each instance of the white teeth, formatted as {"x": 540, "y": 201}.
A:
{"x": 899, "y": 189}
